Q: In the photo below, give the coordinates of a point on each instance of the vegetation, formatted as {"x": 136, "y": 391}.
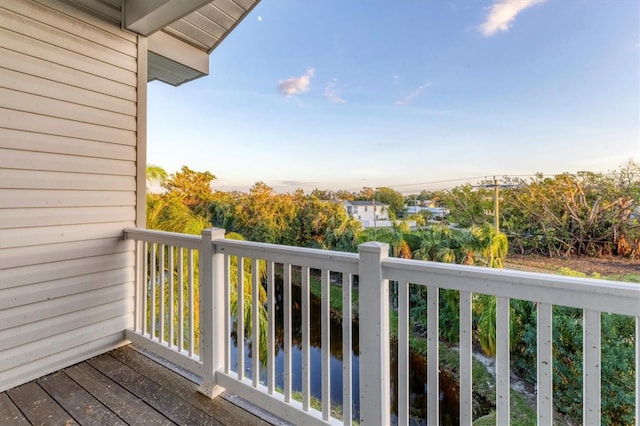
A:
{"x": 586, "y": 213}
{"x": 291, "y": 219}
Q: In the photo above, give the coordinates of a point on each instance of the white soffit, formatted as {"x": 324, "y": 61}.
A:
{"x": 173, "y": 61}
{"x": 145, "y": 17}
{"x": 197, "y": 25}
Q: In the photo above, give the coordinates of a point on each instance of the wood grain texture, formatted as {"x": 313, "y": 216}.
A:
{"x": 121, "y": 387}
{"x": 82, "y": 406}
{"x": 9, "y": 413}
{"x": 38, "y": 407}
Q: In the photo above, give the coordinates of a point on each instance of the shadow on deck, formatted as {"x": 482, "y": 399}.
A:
{"x": 122, "y": 387}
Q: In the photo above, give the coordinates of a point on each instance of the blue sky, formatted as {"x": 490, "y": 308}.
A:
{"x": 336, "y": 94}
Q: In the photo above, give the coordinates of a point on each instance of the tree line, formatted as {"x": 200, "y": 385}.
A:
{"x": 586, "y": 213}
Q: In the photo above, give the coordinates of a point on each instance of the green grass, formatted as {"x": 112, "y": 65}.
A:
{"x": 315, "y": 403}
{"x": 335, "y": 293}
{"x": 522, "y": 413}
{"x": 630, "y": 278}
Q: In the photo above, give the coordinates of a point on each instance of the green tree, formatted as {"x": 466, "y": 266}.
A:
{"x": 181, "y": 208}
{"x": 394, "y": 236}
{"x": 322, "y": 194}
{"x": 365, "y": 194}
{"x": 190, "y": 186}
{"x": 345, "y": 195}
{"x": 248, "y": 273}
{"x": 493, "y": 245}
{"x": 166, "y": 212}
{"x": 468, "y": 205}
{"x": 155, "y": 175}
{"x": 585, "y": 214}
{"x": 393, "y": 198}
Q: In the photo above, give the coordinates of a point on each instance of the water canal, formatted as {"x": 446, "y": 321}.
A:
{"x": 418, "y": 374}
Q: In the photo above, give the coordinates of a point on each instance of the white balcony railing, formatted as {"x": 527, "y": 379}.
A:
{"x": 188, "y": 320}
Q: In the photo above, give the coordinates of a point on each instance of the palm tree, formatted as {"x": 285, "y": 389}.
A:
{"x": 437, "y": 244}
{"x": 248, "y": 296}
{"x": 494, "y": 245}
{"x": 394, "y": 236}
{"x": 155, "y": 175}
{"x": 468, "y": 246}
{"x": 166, "y": 212}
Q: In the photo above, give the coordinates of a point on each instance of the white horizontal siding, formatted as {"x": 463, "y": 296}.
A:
{"x": 31, "y": 218}
{"x": 41, "y": 142}
{"x": 44, "y": 179}
{"x": 21, "y": 101}
{"x": 32, "y": 332}
{"x": 35, "y": 313}
{"x": 108, "y": 335}
{"x": 21, "y": 120}
{"x": 20, "y": 198}
{"x": 34, "y": 236}
{"x": 41, "y": 273}
{"x": 37, "y": 67}
{"x": 68, "y": 137}
{"x": 58, "y": 14}
{"x": 29, "y": 160}
{"x": 50, "y": 89}
{"x": 27, "y": 294}
{"x": 30, "y": 255}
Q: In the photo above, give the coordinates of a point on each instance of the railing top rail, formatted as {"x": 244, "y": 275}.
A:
{"x": 335, "y": 261}
{"x": 600, "y": 295}
{"x": 163, "y": 237}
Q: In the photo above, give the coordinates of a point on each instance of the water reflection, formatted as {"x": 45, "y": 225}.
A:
{"x": 418, "y": 374}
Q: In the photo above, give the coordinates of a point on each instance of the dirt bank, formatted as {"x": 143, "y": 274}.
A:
{"x": 605, "y": 266}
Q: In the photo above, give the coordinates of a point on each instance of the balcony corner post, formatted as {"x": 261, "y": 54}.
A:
{"x": 374, "y": 335}
{"x": 211, "y": 312}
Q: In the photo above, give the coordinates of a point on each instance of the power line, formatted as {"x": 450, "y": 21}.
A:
{"x": 454, "y": 180}
{"x": 436, "y": 181}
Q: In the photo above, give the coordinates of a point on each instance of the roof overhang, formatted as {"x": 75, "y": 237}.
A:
{"x": 182, "y": 33}
{"x": 174, "y": 61}
{"x": 145, "y": 17}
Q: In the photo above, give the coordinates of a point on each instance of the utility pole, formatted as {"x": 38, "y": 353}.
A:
{"x": 496, "y": 199}
{"x": 375, "y": 228}
{"x": 496, "y": 204}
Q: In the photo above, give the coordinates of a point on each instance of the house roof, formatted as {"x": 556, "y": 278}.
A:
{"x": 182, "y": 33}
{"x": 365, "y": 203}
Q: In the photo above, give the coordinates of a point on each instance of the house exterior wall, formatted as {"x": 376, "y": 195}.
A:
{"x": 366, "y": 212}
{"x": 69, "y": 137}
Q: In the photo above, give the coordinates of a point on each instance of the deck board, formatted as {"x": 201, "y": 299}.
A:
{"x": 184, "y": 388}
{"x": 38, "y": 407}
{"x": 84, "y": 408}
{"x": 165, "y": 402}
{"x": 9, "y": 413}
{"x": 118, "y": 388}
{"x": 128, "y": 407}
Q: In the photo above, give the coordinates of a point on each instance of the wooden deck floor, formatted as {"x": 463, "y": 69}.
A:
{"x": 122, "y": 387}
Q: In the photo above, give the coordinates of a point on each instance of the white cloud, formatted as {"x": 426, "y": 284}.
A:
{"x": 411, "y": 96}
{"x": 502, "y": 13}
{"x": 296, "y": 85}
{"x": 331, "y": 93}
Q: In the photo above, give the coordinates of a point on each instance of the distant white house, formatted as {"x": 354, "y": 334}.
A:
{"x": 369, "y": 213}
{"x": 437, "y": 213}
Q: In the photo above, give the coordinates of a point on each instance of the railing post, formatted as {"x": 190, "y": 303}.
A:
{"x": 374, "y": 336}
{"x": 212, "y": 332}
